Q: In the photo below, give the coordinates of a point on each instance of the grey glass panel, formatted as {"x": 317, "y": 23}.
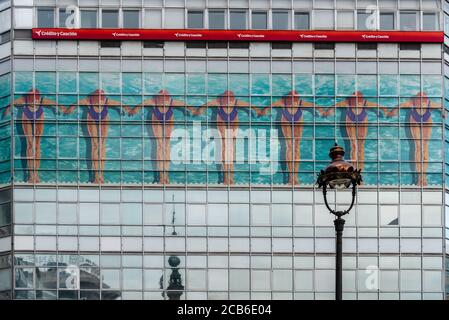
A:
{"x": 302, "y": 21}
{"x": 280, "y": 20}
{"x": 386, "y": 21}
{"x": 216, "y": 19}
{"x": 195, "y": 19}
{"x": 408, "y": 21}
{"x": 259, "y": 20}
{"x": 45, "y": 18}
{"x": 131, "y": 19}
{"x": 63, "y": 18}
{"x": 89, "y": 19}
{"x": 362, "y": 20}
{"x": 238, "y": 20}
{"x": 109, "y": 18}
{"x": 430, "y": 21}
{"x": 46, "y": 277}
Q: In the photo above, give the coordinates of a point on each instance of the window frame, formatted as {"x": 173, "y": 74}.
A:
{"x": 245, "y": 12}
{"x": 46, "y": 9}
{"x": 395, "y": 17}
{"x": 224, "y": 11}
{"x": 97, "y": 17}
{"x": 417, "y": 19}
{"x": 203, "y": 25}
{"x": 118, "y": 18}
{"x": 309, "y": 21}
{"x": 122, "y": 18}
{"x": 437, "y": 22}
{"x": 267, "y": 14}
{"x": 286, "y": 11}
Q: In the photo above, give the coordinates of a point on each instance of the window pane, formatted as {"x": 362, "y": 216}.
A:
{"x": 238, "y": 20}
{"x": 259, "y": 20}
{"x": 153, "y": 19}
{"x": 131, "y": 19}
{"x": 345, "y": 20}
{"x": 362, "y": 21}
{"x": 45, "y": 18}
{"x": 63, "y": 17}
{"x": 324, "y": 19}
{"x": 195, "y": 19}
{"x": 408, "y": 21}
{"x": 216, "y": 20}
{"x": 88, "y": 19}
{"x": 280, "y": 20}
{"x": 387, "y": 21}
{"x": 430, "y": 21}
{"x": 302, "y": 21}
{"x": 109, "y": 18}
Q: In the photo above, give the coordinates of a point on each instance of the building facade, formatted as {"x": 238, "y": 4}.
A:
{"x": 148, "y": 141}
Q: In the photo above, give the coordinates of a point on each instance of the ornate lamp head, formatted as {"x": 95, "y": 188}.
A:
{"x": 339, "y": 173}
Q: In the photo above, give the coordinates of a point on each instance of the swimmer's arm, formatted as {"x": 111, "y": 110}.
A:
{"x": 20, "y": 100}
{"x": 132, "y": 111}
{"x": 435, "y": 105}
{"x": 67, "y": 110}
{"x": 181, "y": 105}
{"x": 113, "y": 103}
{"x": 385, "y": 110}
{"x": 47, "y": 102}
{"x": 342, "y": 103}
{"x": 199, "y": 110}
{"x": 7, "y": 110}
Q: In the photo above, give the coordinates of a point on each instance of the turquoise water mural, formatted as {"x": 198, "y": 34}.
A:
{"x": 130, "y": 133}
{"x": 5, "y": 129}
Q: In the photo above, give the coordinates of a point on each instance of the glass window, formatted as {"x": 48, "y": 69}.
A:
{"x": 386, "y": 21}
{"x": 324, "y": 19}
{"x": 281, "y": 20}
{"x": 131, "y": 19}
{"x": 259, "y": 20}
{"x": 363, "y": 21}
{"x": 238, "y": 20}
{"x": 63, "y": 15}
{"x": 153, "y": 19}
{"x": 345, "y": 20}
{"x": 109, "y": 18}
{"x": 302, "y": 21}
{"x": 195, "y": 19}
{"x": 132, "y": 279}
{"x": 409, "y": 21}
{"x": 89, "y": 19}
{"x": 45, "y": 18}
{"x": 216, "y": 19}
{"x": 430, "y": 21}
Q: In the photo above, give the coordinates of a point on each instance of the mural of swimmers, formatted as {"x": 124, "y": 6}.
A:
{"x": 420, "y": 119}
{"x": 356, "y": 120}
{"x": 97, "y": 117}
{"x": 226, "y": 116}
{"x": 227, "y": 119}
{"x": 32, "y": 105}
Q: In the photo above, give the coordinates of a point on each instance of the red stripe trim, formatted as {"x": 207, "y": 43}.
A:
{"x": 237, "y": 35}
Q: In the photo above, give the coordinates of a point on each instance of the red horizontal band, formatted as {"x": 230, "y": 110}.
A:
{"x": 236, "y": 35}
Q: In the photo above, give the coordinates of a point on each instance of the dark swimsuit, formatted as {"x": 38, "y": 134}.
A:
{"x": 421, "y": 118}
{"x": 97, "y": 115}
{"x": 163, "y": 116}
{"x": 33, "y": 115}
{"x": 357, "y": 117}
{"x": 292, "y": 117}
{"x": 228, "y": 117}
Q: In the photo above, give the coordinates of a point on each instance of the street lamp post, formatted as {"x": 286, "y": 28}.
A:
{"x": 339, "y": 174}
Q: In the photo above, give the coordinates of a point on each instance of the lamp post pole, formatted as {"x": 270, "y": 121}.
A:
{"x": 339, "y": 224}
{"x": 339, "y": 174}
